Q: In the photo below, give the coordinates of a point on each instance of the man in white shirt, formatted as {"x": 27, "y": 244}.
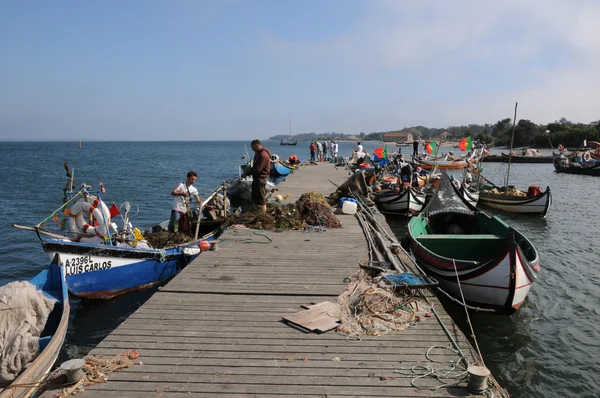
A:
{"x": 334, "y": 150}
{"x": 360, "y": 151}
{"x": 183, "y": 193}
{"x": 319, "y": 151}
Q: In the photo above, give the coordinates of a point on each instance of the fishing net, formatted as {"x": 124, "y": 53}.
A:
{"x": 310, "y": 210}
{"x": 167, "y": 239}
{"x": 316, "y": 212}
{"x": 96, "y": 370}
{"x": 275, "y": 218}
{"x": 374, "y": 307}
{"x": 24, "y": 312}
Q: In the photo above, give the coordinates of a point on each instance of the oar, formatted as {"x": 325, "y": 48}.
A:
{"x": 39, "y": 231}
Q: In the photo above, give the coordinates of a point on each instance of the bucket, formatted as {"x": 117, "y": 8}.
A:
{"x": 349, "y": 207}
{"x": 342, "y": 200}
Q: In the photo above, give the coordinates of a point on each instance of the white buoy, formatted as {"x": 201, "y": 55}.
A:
{"x": 477, "y": 379}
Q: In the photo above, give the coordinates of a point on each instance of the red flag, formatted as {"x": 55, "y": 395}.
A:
{"x": 114, "y": 210}
{"x": 430, "y": 147}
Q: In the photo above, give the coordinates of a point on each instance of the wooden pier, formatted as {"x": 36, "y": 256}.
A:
{"x": 216, "y": 329}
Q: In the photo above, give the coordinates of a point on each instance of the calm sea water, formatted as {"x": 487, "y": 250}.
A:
{"x": 549, "y": 348}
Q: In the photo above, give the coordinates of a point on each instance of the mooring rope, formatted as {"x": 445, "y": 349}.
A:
{"x": 467, "y": 312}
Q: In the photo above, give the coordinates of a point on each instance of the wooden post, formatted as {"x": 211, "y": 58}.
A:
{"x": 512, "y": 139}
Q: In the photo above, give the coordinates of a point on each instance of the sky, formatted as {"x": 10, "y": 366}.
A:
{"x": 149, "y": 70}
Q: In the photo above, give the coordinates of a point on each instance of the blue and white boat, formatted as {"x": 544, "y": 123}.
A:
{"x": 101, "y": 260}
{"x": 280, "y": 169}
{"x": 51, "y": 282}
{"x": 105, "y": 270}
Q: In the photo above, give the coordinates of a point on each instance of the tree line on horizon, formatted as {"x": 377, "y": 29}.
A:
{"x": 527, "y": 133}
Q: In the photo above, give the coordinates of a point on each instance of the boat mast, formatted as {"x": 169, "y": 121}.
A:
{"x": 512, "y": 139}
{"x": 290, "y": 129}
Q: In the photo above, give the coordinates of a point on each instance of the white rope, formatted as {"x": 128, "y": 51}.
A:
{"x": 467, "y": 312}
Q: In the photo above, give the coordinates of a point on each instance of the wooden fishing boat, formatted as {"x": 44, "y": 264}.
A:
{"x": 400, "y": 202}
{"x": 562, "y": 164}
{"x": 441, "y": 164}
{"x": 526, "y": 159}
{"x": 469, "y": 194}
{"x": 279, "y": 168}
{"x": 535, "y": 202}
{"x": 239, "y": 191}
{"x": 289, "y": 141}
{"x": 102, "y": 260}
{"x": 496, "y": 265}
{"x": 51, "y": 282}
{"x": 493, "y": 158}
{"x": 509, "y": 199}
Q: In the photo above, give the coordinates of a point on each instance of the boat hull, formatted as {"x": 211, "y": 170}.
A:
{"x": 408, "y": 201}
{"x": 472, "y": 254}
{"x": 442, "y": 165}
{"x": 533, "y": 205}
{"x": 241, "y": 190}
{"x": 279, "y": 169}
{"x": 500, "y": 282}
{"x": 561, "y": 167}
{"x": 526, "y": 159}
{"x": 97, "y": 271}
{"x": 52, "y": 282}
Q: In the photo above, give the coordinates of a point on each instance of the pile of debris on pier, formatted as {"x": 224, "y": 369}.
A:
{"x": 310, "y": 210}
{"x": 375, "y": 306}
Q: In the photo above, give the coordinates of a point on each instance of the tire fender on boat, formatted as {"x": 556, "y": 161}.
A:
{"x": 100, "y": 212}
{"x": 274, "y": 158}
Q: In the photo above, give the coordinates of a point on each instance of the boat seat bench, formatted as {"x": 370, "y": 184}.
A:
{"x": 460, "y": 236}
{"x": 476, "y": 247}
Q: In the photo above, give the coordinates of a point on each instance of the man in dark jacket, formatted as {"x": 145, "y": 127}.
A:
{"x": 260, "y": 172}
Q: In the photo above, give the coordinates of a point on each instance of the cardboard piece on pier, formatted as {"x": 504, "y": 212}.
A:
{"x": 320, "y": 318}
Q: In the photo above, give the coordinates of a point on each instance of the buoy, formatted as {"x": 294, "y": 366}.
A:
{"x": 204, "y": 245}
{"x": 477, "y": 379}
{"x": 279, "y": 198}
{"x": 377, "y": 188}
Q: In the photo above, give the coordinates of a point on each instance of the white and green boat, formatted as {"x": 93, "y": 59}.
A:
{"x": 454, "y": 241}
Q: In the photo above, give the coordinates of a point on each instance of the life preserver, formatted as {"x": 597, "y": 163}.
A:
{"x": 561, "y": 147}
{"x": 274, "y": 158}
{"x": 586, "y": 157}
{"x": 98, "y": 209}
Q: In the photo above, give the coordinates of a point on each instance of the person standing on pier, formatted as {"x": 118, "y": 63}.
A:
{"x": 183, "y": 193}
{"x": 334, "y": 150}
{"x": 313, "y": 152}
{"x": 415, "y": 148}
{"x": 259, "y": 172}
{"x": 319, "y": 151}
